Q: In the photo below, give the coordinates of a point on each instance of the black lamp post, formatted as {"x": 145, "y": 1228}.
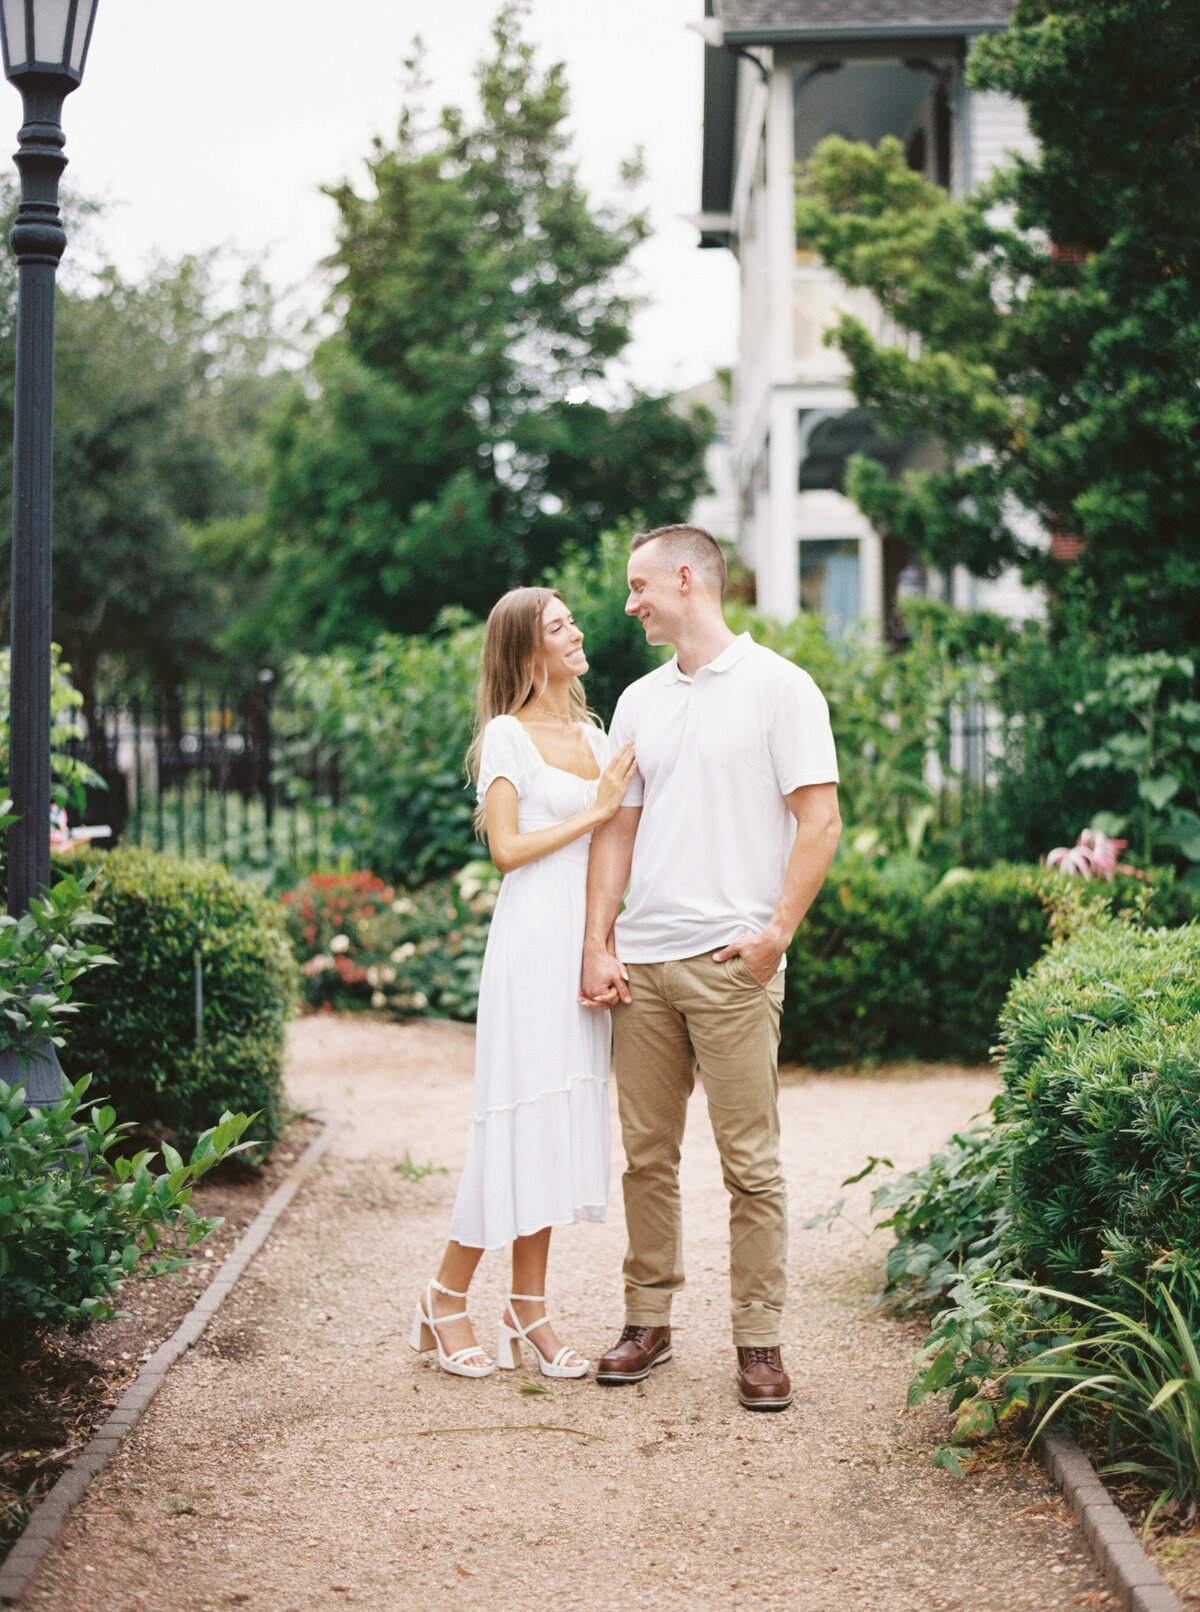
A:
{"x": 45, "y": 45}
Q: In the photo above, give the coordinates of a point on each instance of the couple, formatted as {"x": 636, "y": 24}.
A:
{"x": 714, "y": 798}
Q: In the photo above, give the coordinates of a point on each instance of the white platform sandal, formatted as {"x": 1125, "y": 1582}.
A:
{"x": 425, "y": 1336}
{"x": 508, "y": 1351}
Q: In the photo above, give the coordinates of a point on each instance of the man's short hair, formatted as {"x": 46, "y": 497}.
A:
{"x": 688, "y": 545}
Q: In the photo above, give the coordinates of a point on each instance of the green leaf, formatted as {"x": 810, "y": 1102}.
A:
{"x": 949, "y": 1460}
{"x": 1158, "y": 791}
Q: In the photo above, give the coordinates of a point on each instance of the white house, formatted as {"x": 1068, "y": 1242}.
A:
{"x": 780, "y": 75}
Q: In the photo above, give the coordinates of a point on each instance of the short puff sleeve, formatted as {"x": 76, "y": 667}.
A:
{"x": 504, "y": 753}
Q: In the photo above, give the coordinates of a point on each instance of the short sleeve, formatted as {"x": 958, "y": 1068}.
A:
{"x": 800, "y": 737}
{"x": 504, "y": 753}
{"x": 620, "y": 732}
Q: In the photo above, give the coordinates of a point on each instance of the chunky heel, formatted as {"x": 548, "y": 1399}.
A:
{"x": 508, "y": 1348}
{"x": 511, "y": 1337}
{"x": 422, "y": 1338}
{"x": 425, "y": 1327}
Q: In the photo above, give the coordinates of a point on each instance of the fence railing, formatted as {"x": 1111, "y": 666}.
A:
{"x": 214, "y": 773}
{"x": 236, "y": 776}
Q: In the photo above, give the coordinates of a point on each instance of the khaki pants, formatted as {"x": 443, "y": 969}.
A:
{"x": 717, "y": 1020}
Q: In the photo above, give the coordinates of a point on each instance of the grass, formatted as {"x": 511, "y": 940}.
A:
{"x": 412, "y": 1171}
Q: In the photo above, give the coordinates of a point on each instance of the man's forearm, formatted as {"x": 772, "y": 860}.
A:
{"x": 812, "y": 852}
{"x": 609, "y": 863}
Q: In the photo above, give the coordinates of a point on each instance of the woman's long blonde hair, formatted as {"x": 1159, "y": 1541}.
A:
{"x": 512, "y": 656}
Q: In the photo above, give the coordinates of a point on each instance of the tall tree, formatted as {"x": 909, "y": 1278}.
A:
{"x": 450, "y": 444}
{"x": 161, "y": 389}
{"x": 1058, "y": 317}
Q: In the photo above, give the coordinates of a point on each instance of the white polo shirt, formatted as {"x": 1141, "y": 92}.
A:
{"x": 716, "y": 753}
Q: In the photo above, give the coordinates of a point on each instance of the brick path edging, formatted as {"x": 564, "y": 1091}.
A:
{"x": 1129, "y": 1573}
{"x": 50, "y": 1516}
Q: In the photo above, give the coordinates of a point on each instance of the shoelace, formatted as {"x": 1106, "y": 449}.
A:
{"x": 760, "y": 1354}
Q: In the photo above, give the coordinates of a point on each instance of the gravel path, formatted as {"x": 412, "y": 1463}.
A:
{"x": 301, "y": 1457}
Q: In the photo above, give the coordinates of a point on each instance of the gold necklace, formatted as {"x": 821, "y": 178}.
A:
{"x": 552, "y": 716}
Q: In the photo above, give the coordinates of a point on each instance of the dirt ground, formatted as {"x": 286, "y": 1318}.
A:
{"x": 301, "y": 1456}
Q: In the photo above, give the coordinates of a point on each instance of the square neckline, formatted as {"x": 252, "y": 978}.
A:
{"x": 566, "y": 771}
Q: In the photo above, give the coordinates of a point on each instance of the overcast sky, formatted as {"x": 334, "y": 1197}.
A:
{"x": 203, "y": 123}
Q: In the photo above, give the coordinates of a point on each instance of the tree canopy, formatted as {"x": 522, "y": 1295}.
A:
{"x": 454, "y": 439}
{"x": 162, "y": 385}
{"x": 1058, "y": 317}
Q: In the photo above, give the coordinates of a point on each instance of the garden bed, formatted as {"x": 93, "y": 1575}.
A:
{"x": 51, "y": 1402}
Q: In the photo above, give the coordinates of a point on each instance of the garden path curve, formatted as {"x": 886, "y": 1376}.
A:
{"x": 300, "y": 1456}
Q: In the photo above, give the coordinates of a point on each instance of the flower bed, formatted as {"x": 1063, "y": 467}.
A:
{"x": 361, "y": 943}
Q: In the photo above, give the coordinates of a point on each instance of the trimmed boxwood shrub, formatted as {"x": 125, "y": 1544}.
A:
{"x": 1101, "y": 1110}
{"x": 137, "y": 1035}
{"x": 890, "y": 964}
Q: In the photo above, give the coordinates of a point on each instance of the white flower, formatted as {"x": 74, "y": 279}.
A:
{"x": 420, "y": 1000}
{"x": 317, "y": 965}
{"x": 340, "y": 943}
{"x": 387, "y": 975}
{"x": 403, "y": 953}
{"x": 378, "y": 999}
{"x": 403, "y": 906}
{"x": 469, "y": 888}
{"x": 374, "y": 975}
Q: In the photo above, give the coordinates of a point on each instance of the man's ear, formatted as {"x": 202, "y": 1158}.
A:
{"x": 686, "y": 578}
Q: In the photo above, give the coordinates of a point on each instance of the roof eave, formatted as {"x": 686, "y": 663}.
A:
{"x": 742, "y": 37}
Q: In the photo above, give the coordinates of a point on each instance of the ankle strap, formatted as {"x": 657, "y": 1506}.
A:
{"x": 528, "y": 1298}
{"x": 448, "y": 1291}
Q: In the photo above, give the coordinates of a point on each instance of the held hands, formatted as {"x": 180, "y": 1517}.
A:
{"x": 614, "y": 781}
{"x": 604, "y": 979}
{"x": 761, "y": 953}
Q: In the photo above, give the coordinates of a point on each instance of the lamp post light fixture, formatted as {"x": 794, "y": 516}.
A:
{"x": 45, "y": 44}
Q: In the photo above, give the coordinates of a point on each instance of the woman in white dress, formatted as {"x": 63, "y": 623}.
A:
{"x": 538, "y": 1149}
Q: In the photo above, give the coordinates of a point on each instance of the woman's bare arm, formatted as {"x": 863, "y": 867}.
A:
{"x": 510, "y": 849}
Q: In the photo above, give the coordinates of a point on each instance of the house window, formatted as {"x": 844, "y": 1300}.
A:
{"x": 829, "y": 436}
{"x": 829, "y": 583}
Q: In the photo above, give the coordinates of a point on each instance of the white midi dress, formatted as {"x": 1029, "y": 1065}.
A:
{"x": 538, "y": 1149}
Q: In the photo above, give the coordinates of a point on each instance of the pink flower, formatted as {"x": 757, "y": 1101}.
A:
{"x": 1093, "y": 856}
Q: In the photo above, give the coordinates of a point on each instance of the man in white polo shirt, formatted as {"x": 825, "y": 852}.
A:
{"x": 724, "y": 839}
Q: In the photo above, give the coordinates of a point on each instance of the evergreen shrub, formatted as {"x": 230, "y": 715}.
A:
{"x": 137, "y": 1034}
{"x": 1101, "y": 1107}
{"x": 892, "y": 963}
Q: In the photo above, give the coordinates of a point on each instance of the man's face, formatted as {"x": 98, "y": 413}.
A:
{"x": 655, "y": 597}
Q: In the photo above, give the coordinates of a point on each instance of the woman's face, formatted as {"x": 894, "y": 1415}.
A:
{"x": 562, "y": 644}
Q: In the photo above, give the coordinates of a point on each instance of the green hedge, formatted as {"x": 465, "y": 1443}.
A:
{"x": 890, "y": 964}
{"x": 137, "y": 1035}
{"x": 1101, "y": 1109}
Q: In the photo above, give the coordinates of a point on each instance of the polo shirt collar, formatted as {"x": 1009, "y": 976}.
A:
{"x": 728, "y": 657}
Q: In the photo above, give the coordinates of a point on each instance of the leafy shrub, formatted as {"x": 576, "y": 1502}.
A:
{"x": 889, "y": 963}
{"x": 1088, "y": 1177}
{"x": 42, "y": 955}
{"x": 856, "y": 981}
{"x": 1100, "y": 1058}
{"x": 363, "y": 945}
{"x": 138, "y": 1036}
{"x": 74, "y": 1224}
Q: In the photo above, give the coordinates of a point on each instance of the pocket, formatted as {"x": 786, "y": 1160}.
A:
{"x": 742, "y": 969}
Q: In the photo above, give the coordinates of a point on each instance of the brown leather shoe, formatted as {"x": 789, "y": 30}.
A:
{"x": 762, "y": 1382}
{"x": 634, "y": 1355}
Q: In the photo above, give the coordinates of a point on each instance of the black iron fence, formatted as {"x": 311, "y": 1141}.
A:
{"x": 236, "y": 776}
{"x": 213, "y": 772}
